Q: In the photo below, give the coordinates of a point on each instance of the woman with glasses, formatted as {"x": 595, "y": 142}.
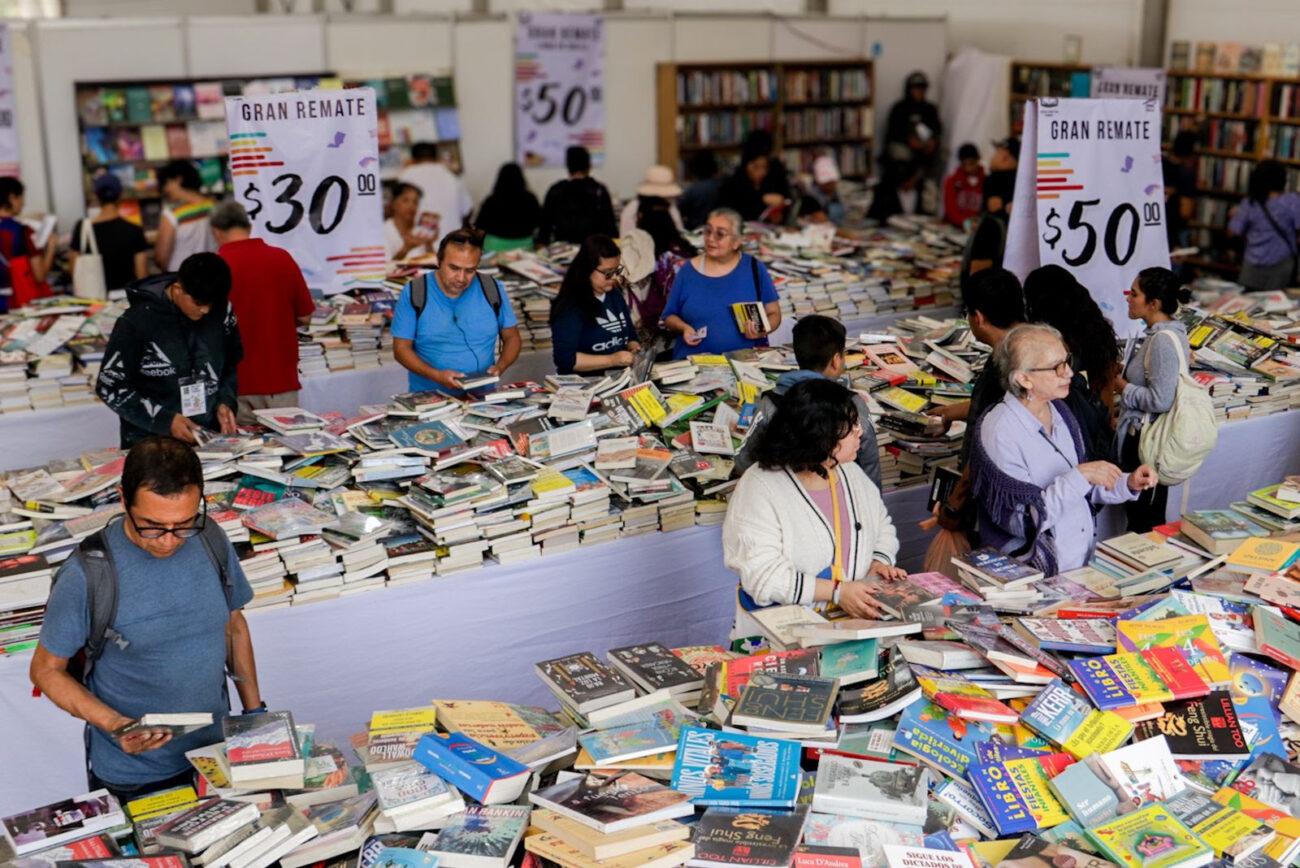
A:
{"x": 591, "y": 326}
{"x": 1147, "y": 386}
{"x": 702, "y": 308}
{"x": 1033, "y": 489}
{"x": 805, "y": 523}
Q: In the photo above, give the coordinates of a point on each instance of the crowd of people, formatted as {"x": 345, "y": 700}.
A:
{"x": 1052, "y": 426}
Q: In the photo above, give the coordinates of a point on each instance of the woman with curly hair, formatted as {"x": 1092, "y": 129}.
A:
{"x": 1053, "y": 296}
{"x": 805, "y": 523}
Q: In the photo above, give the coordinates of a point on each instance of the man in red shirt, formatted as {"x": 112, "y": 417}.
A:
{"x": 270, "y": 299}
{"x": 963, "y": 190}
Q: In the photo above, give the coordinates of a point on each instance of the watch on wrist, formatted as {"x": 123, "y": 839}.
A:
{"x": 257, "y": 709}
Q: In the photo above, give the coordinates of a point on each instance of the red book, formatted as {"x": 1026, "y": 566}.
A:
{"x": 1171, "y": 665}
{"x": 801, "y": 661}
{"x": 818, "y": 856}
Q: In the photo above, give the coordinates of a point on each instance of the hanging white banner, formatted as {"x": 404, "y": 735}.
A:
{"x": 559, "y": 87}
{"x": 306, "y": 166}
{"x": 1127, "y": 82}
{"x": 9, "y": 163}
{"x": 1097, "y": 197}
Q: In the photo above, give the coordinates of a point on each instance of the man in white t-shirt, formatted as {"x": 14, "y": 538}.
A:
{"x": 442, "y": 193}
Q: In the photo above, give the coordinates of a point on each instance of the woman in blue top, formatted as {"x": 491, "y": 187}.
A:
{"x": 1147, "y": 387}
{"x": 591, "y": 326}
{"x": 1269, "y": 218}
{"x": 699, "y": 308}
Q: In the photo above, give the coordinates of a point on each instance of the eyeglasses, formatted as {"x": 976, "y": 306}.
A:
{"x": 611, "y": 273}
{"x": 1062, "y": 368}
{"x": 187, "y": 529}
{"x": 720, "y": 234}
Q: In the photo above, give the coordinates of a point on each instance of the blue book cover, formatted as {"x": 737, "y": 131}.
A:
{"x": 583, "y": 478}
{"x": 1251, "y": 677}
{"x": 1104, "y": 686}
{"x": 1085, "y": 795}
{"x": 727, "y": 769}
{"x": 1001, "y": 798}
{"x": 1056, "y": 712}
{"x": 405, "y": 857}
{"x": 638, "y": 739}
{"x": 448, "y": 123}
{"x": 1260, "y": 725}
{"x": 929, "y": 733}
{"x": 1003, "y": 568}
{"x": 432, "y": 436}
{"x": 465, "y": 764}
{"x": 997, "y": 751}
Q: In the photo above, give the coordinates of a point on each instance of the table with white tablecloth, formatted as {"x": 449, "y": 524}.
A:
{"x": 472, "y": 635}
{"x": 38, "y": 436}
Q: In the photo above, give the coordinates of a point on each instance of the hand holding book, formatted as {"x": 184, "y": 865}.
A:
{"x": 134, "y": 740}
{"x": 856, "y": 599}
{"x": 885, "y": 571}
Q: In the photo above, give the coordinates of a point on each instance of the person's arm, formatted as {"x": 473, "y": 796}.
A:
{"x": 115, "y": 385}
{"x": 49, "y": 675}
{"x": 546, "y": 219}
{"x": 42, "y": 261}
{"x": 165, "y": 242}
{"x": 303, "y": 304}
{"x": 242, "y": 663}
{"x": 1163, "y": 367}
{"x": 752, "y": 536}
{"x": 1239, "y": 218}
{"x": 228, "y": 390}
{"x": 407, "y": 357}
{"x": 1008, "y": 450}
{"x": 140, "y": 263}
{"x": 773, "y": 309}
{"x": 1186, "y": 207}
{"x": 950, "y": 206}
{"x": 510, "y": 344}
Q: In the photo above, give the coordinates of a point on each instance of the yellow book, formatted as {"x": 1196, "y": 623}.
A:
{"x": 1227, "y": 830}
{"x": 1265, "y": 554}
{"x": 495, "y": 724}
{"x": 1030, "y": 779}
{"x": 1100, "y": 732}
{"x": 1189, "y": 633}
{"x": 646, "y": 403}
{"x": 987, "y": 854}
{"x": 706, "y": 359}
{"x": 1284, "y": 844}
{"x": 165, "y": 802}
{"x": 921, "y": 378}
{"x": 550, "y": 480}
{"x": 394, "y": 734}
{"x": 659, "y": 762}
{"x": 898, "y": 397}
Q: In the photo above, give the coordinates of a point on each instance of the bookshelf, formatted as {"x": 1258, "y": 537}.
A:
{"x": 133, "y": 128}
{"x": 1031, "y": 79}
{"x": 809, "y": 107}
{"x": 1239, "y": 119}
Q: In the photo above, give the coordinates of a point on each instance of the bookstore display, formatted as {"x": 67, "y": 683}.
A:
{"x": 1030, "y": 80}
{"x": 1242, "y": 103}
{"x": 809, "y": 107}
{"x": 133, "y": 128}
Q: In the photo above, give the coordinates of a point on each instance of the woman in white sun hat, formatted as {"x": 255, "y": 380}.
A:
{"x": 659, "y": 183}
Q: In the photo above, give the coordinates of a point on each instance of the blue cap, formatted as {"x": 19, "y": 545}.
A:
{"x": 109, "y": 184}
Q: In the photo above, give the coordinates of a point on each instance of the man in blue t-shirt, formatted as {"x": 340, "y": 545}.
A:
{"x": 456, "y": 335}
{"x": 178, "y": 630}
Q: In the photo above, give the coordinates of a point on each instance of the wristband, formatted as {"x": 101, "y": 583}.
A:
{"x": 261, "y": 709}
{"x": 835, "y": 592}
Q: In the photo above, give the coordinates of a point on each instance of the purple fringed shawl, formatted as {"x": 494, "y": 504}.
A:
{"x": 1000, "y": 497}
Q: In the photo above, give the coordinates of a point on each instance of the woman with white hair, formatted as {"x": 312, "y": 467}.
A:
{"x": 699, "y": 309}
{"x": 1033, "y": 493}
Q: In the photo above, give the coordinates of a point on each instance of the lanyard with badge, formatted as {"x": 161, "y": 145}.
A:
{"x": 194, "y": 388}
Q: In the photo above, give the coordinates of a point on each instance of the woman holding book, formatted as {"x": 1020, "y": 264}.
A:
{"x": 591, "y": 326}
{"x": 403, "y": 236}
{"x": 805, "y": 523}
{"x": 1033, "y": 490}
{"x": 709, "y": 291}
{"x": 1150, "y": 380}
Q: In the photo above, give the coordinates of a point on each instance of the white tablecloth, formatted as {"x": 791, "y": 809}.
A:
{"x": 472, "y": 635}
{"x": 36, "y": 437}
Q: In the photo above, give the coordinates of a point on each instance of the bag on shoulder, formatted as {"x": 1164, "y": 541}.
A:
{"x": 96, "y": 560}
{"x": 88, "y": 273}
{"x": 1176, "y": 443}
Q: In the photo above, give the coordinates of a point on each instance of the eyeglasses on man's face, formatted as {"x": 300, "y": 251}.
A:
{"x": 187, "y": 529}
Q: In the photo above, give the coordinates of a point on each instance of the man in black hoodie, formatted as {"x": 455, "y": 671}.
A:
{"x": 170, "y": 363}
{"x": 914, "y": 129}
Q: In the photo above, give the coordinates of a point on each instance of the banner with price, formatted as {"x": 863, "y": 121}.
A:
{"x": 306, "y": 167}
{"x": 1090, "y": 197}
{"x": 559, "y": 87}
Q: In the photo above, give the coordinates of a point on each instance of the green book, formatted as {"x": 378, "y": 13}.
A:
{"x": 139, "y": 106}
{"x": 398, "y": 96}
{"x": 115, "y": 105}
{"x": 444, "y": 91}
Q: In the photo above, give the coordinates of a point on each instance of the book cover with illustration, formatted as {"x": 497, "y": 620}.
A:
{"x": 737, "y": 770}
{"x": 1191, "y": 634}
{"x": 1016, "y": 793}
{"x": 1119, "y": 680}
{"x": 610, "y": 801}
{"x": 255, "y": 739}
{"x": 928, "y": 732}
{"x": 1066, "y": 719}
{"x": 753, "y": 837}
{"x": 491, "y": 831}
{"x": 1150, "y": 837}
{"x": 1200, "y": 729}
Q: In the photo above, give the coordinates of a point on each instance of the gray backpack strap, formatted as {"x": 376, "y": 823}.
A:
{"x": 214, "y": 543}
{"x": 758, "y": 287}
{"x": 420, "y": 296}
{"x": 96, "y": 560}
{"x": 491, "y": 291}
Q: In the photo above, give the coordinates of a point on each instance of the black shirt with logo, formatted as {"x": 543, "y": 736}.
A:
{"x": 576, "y": 331}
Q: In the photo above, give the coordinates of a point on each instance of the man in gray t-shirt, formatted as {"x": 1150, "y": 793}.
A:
{"x": 174, "y": 617}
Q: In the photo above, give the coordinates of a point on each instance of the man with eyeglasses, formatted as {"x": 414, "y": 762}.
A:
{"x": 177, "y": 630}
{"x": 448, "y": 328}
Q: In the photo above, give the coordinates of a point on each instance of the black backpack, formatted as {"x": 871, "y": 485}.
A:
{"x": 96, "y": 560}
{"x": 420, "y": 294}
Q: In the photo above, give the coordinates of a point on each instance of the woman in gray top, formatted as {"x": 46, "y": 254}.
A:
{"x": 1147, "y": 386}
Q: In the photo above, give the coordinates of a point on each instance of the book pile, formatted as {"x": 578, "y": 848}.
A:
{"x": 50, "y": 352}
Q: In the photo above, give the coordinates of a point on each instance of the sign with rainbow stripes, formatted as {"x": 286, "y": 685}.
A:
{"x": 1090, "y": 197}
{"x": 306, "y": 167}
{"x": 559, "y": 86}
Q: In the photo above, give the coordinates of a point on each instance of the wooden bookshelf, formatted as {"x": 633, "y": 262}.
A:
{"x": 1239, "y": 119}
{"x": 809, "y": 107}
{"x": 133, "y": 128}
{"x": 1032, "y": 78}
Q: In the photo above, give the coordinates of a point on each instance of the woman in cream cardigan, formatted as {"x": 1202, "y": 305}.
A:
{"x": 805, "y": 523}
